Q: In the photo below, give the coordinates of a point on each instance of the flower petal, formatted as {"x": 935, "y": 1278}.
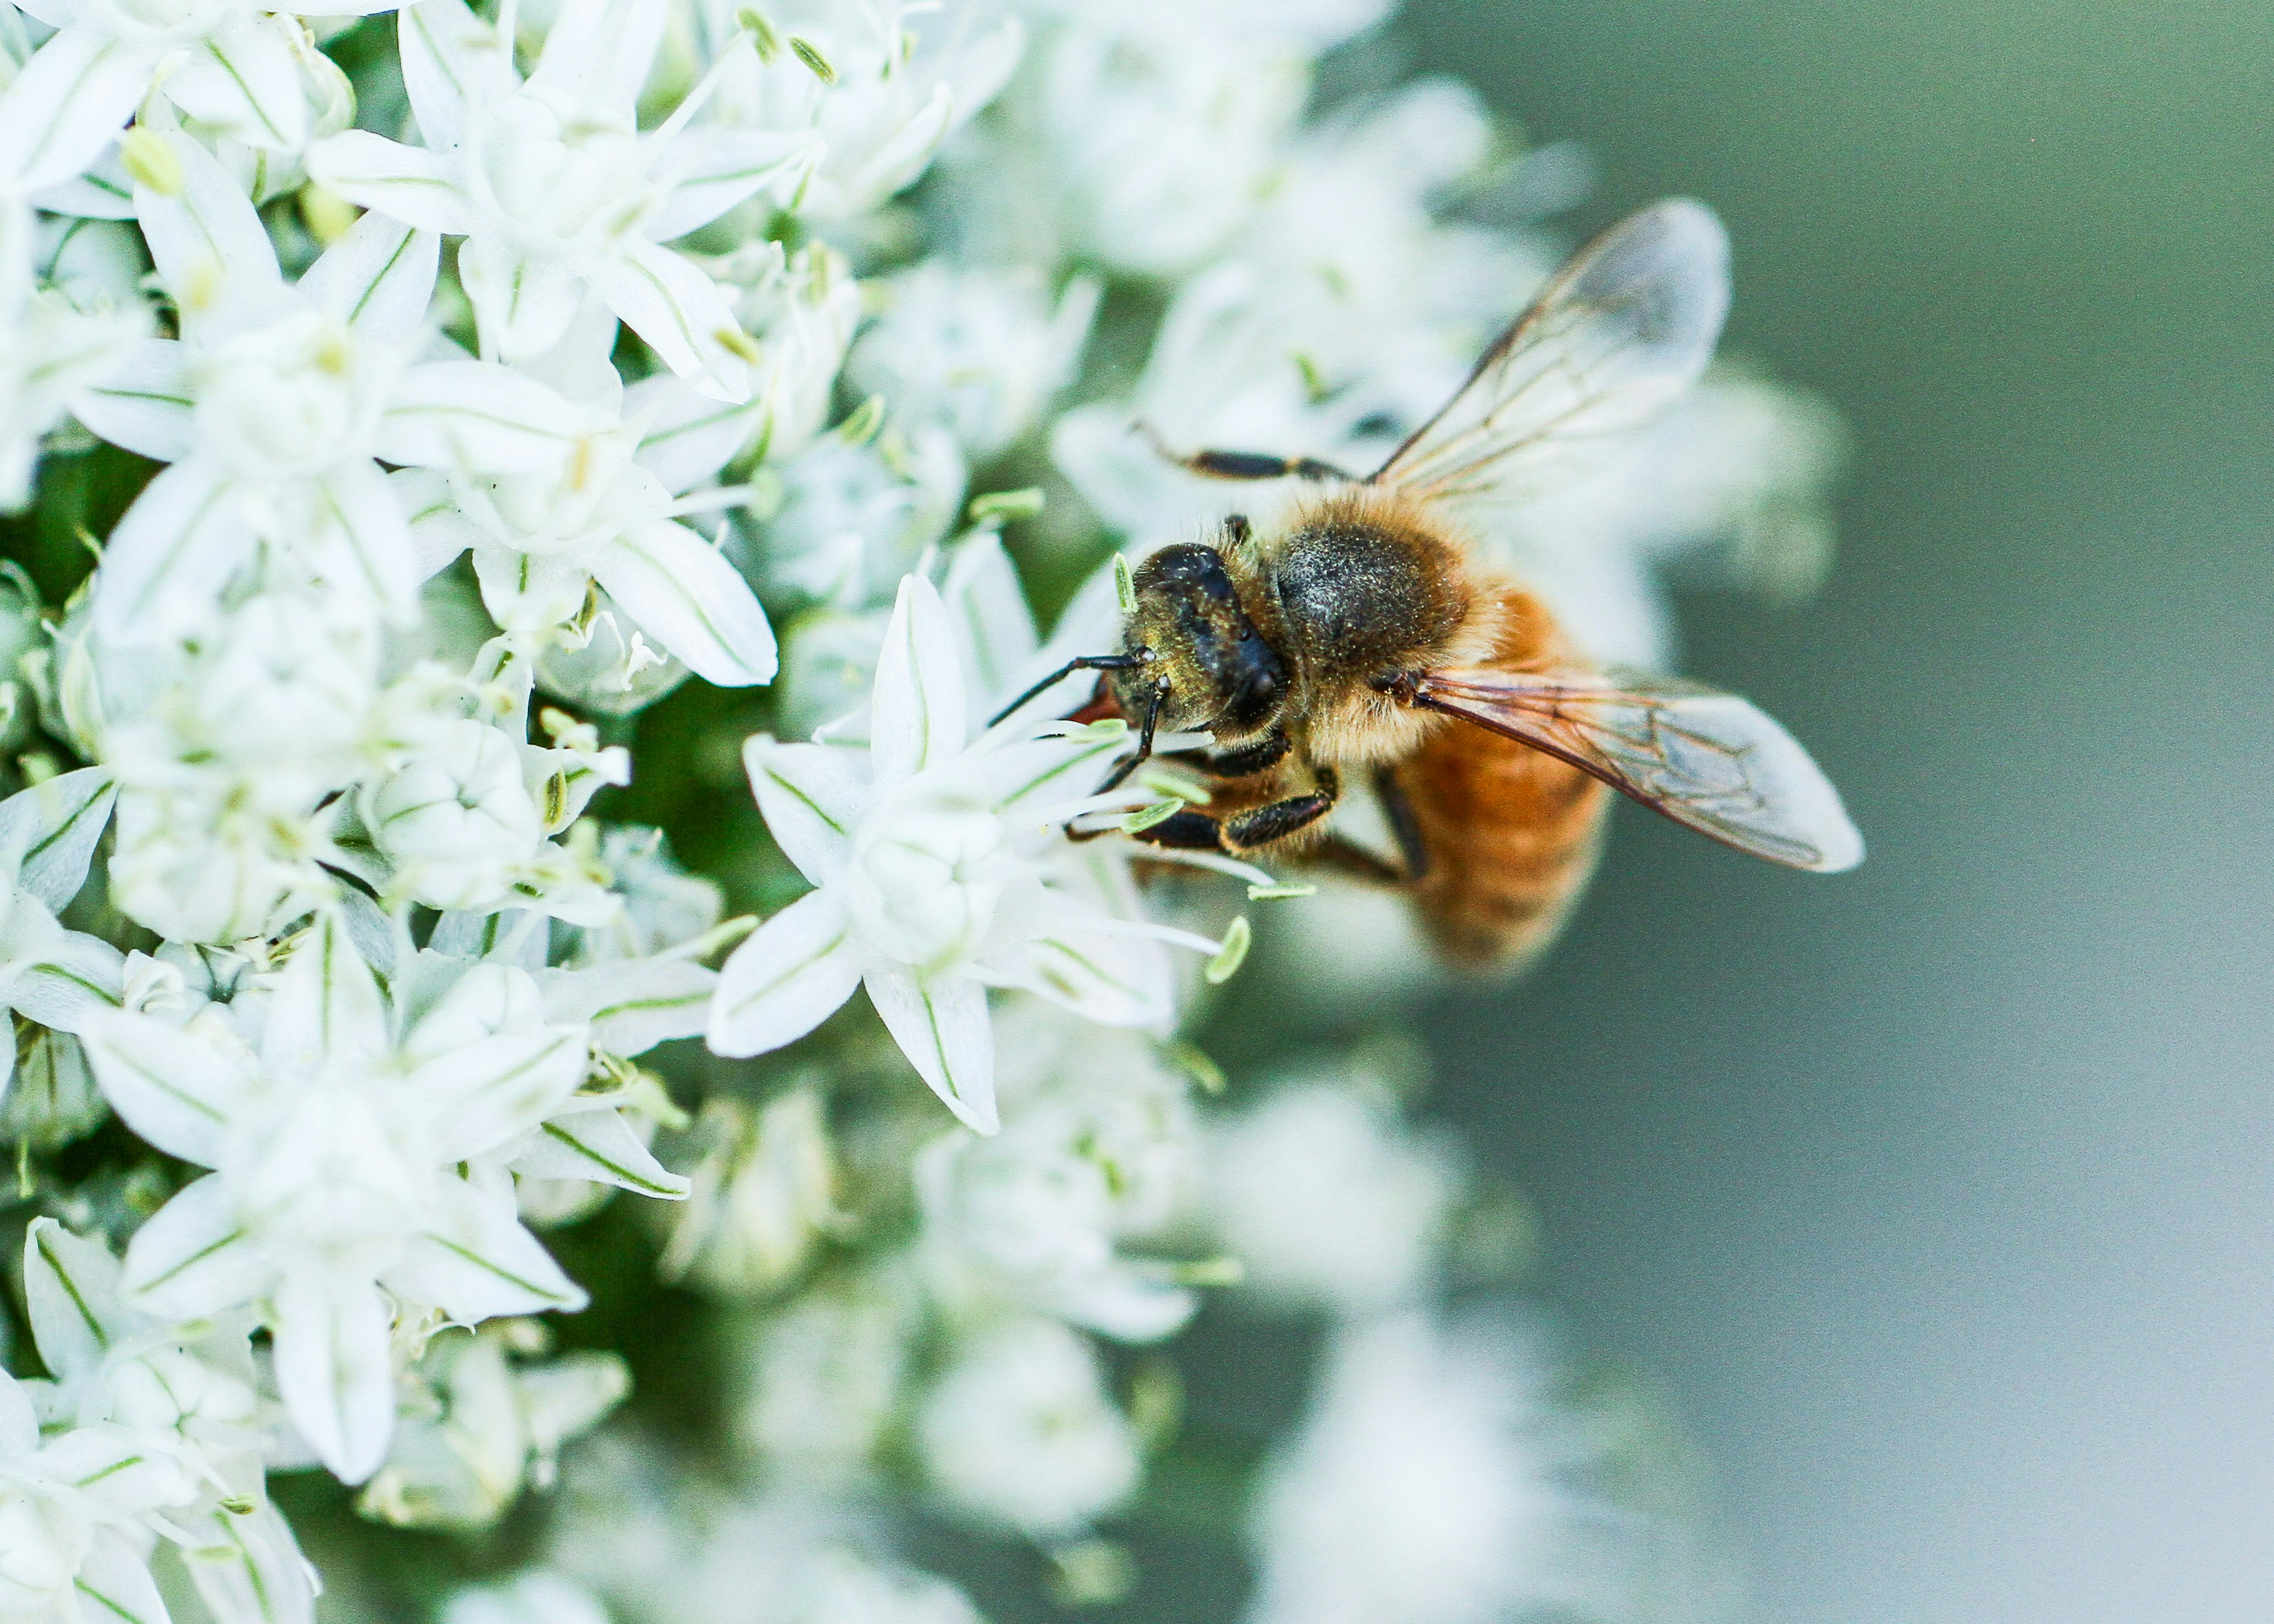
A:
{"x": 361, "y": 541}
{"x": 69, "y": 103}
{"x": 452, "y": 60}
{"x": 917, "y": 717}
{"x": 325, "y": 1012}
{"x": 689, "y": 436}
{"x": 248, "y": 1568}
{"x": 793, "y": 973}
{"x": 599, "y": 1146}
{"x": 115, "y": 1579}
{"x": 440, "y": 530}
{"x": 707, "y": 170}
{"x": 633, "y": 1005}
{"x": 691, "y": 601}
{"x": 194, "y": 1257}
{"x": 476, "y": 1261}
{"x": 474, "y": 417}
{"x": 409, "y": 183}
{"x": 244, "y": 82}
{"x": 58, "y": 823}
{"x": 170, "y": 555}
{"x": 72, "y": 1285}
{"x": 336, "y": 1370}
{"x": 378, "y": 279}
{"x": 681, "y": 313}
{"x": 73, "y": 979}
{"x": 523, "y": 304}
{"x": 177, "y": 1088}
{"x": 485, "y": 1095}
{"x": 942, "y": 1026}
{"x": 145, "y": 404}
{"x": 600, "y": 51}
{"x": 208, "y": 242}
{"x": 811, "y": 798}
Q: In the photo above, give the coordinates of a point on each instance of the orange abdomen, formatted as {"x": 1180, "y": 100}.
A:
{"x": 1511, "y": 832}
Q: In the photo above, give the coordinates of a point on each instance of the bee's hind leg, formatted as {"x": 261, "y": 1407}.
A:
{"x": 1404, "y": 826}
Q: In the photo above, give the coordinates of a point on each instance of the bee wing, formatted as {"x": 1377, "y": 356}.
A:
{"x": 1710, "y": 760}
{"x": 1619, "y": 333}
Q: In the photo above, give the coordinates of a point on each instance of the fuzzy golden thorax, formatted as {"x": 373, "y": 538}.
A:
{"x": 1361, "y": 583}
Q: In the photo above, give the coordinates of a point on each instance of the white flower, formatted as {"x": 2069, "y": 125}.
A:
{"x": 979, "y": 351}
{"x": 624, "y": 1008}
{"x": 1141, "y": 137}
{"x": 854, "y": 518}
{"x": 239, "y": 67}
{"x": 1098, "y": 1148}
{"x": 823, "y": 1379}
{"x": 1421, "y": 1489}
{"x": 275, "y": 401}
{"x": 665, "y": 907}
{"x": 602, "y": 506}
{"x": 1325, "y": 1199}
{"x": 537, "y": 1596}
{"x": 882, "y": 95}
{"x": 60, "y": 978}
{"x": 465, "y": 816}
{"x": 940, "y": 870}
{"x": 764, "y": 1197}
{"x": 481, "y": 1419}
{"x": 187, "y": 1391}
{"x": 52, "y": 352}
{"x": 336, "y": 1198}
{"x": 1020, "y": 1432}
{"x": 78, "y": 1515}
{"x": 555, "y": 188}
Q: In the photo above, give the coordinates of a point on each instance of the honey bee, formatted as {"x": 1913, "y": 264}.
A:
{"x": 1364, "y": 635}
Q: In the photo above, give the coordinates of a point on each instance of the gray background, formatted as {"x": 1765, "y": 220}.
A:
{"x": 1941, "y": 1197}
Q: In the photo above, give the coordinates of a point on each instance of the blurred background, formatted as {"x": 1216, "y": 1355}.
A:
{"x": 1940, "y": 1197}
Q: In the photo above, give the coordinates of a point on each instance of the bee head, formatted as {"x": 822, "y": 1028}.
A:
{"x": 1221, "y": 673}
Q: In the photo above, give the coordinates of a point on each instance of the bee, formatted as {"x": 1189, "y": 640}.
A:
{"x": 1363, "y": 636}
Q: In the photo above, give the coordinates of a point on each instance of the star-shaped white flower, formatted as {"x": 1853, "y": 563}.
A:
{"x": 941, "y": 869}
{"x": 339, "y": 1139}
{"x": 78, "y": 1513}
{"x": 607, "y": 506}
{"x": 557, "y": 191}
{"x": 276, "y": 399}
{"x": 239, "y": 67}
{"x": 187, "y": 1392}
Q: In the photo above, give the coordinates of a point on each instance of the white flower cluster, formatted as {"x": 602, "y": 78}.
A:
{"x": 457, "y": 403}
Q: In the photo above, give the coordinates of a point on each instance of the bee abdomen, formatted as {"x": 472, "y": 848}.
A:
{"x": 1511, "y": 834}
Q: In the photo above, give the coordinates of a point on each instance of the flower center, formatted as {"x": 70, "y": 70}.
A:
{"x": 569, "y": 179}
{"x": 297, "y": 397}
{"x": 926, "y": 875}
{"x": 330, "y": 1183}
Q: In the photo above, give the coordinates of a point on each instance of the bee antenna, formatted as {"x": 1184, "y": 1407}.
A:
{"x": 1084, "y": 662}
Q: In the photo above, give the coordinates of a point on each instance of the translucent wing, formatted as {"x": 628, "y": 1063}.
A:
{"x": 1712, "y": 761}
{"x": 1619, "y": 333}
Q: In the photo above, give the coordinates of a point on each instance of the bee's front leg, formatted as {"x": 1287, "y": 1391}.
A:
{"x": 1245, "y": 832}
